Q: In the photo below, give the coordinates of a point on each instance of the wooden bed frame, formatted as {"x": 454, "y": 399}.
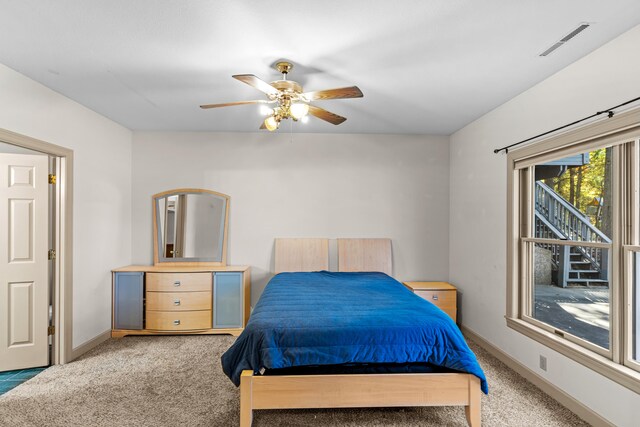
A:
{"x": 351, "y": 390}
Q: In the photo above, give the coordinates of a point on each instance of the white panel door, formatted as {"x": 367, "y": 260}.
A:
{"x": 24, "y": 288}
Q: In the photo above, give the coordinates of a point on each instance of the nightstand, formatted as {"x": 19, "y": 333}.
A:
{"x": 442, "y": 294}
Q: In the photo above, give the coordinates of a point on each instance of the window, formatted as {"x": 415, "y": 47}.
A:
{"x": 574, "y": 245}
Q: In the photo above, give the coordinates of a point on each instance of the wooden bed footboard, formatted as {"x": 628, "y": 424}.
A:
{"x": 358, "y": 391}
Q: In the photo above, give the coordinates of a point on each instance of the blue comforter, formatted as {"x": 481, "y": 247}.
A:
{"x": 325, "y": 318}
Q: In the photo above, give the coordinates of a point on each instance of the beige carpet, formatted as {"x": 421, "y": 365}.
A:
{"x": 177, "y": 381}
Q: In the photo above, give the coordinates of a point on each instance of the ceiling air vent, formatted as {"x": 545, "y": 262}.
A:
{"x": 566, "y": 38}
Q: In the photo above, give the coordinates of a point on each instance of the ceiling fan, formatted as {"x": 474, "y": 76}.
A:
{"x": 288, "y": 99}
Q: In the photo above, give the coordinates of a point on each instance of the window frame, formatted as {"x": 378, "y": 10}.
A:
{"x": 629, "y": 274}
{"x": 622, "y": 132}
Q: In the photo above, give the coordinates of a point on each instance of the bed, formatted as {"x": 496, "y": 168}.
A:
{"x": 353, "y": 338}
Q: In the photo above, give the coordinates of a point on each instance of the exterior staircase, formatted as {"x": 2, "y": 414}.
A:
{"x": 582, "y": 271}
{"x": 556, "y": 218}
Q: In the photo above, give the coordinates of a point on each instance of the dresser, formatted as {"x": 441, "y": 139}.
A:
{"x": 441, "y": 294}
{"x": 156, "y": 300}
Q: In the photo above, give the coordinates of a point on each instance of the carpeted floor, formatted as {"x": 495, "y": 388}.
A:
{"x": 177, "y": 381}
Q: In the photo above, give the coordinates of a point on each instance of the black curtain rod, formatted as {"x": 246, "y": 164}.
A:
{"x": 609, "y": 112}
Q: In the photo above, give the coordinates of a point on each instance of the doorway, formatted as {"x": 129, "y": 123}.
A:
{"x": 24, "y": 246}
{"x": 35, "y": 253}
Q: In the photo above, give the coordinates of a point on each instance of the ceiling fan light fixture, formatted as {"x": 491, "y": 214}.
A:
{"x": 265, "y": 111}
{"x": 271, "y": 123}
{"x": 288, "y": 100}
{"x": 298, "y": 110}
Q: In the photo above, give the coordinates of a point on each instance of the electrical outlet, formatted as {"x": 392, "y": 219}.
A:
{"x": 543, "y": 363}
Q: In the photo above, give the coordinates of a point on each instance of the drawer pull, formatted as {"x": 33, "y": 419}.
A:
{"x": 176, "y": 322}
{"x": 176, "y": 283}
{"x": 434, "y": 297}
{"x": 176, "y": 302}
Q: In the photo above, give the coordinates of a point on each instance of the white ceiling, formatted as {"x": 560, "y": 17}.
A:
{"x": 425, "y": 67}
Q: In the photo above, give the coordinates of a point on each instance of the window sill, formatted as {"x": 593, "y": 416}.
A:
{"x": 620, "y": 374}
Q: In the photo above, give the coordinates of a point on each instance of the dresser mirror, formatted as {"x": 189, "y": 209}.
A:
{"x": 190, "y": 227}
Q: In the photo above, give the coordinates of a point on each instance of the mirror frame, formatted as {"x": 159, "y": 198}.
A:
{"x": 176, "y": 191}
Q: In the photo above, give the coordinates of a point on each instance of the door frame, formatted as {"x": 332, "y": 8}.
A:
{"x": 62, "y": 350}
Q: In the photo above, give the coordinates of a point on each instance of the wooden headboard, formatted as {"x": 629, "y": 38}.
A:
{"x": 365, "y": 255}
{"x": 301, "y": 255}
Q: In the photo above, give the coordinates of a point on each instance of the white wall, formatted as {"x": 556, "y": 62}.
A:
{"x": 102, "y": 189}
{"x": 305, "y": 185}
{"x": 15, "y": 149}
{"x": 606, "y": 77}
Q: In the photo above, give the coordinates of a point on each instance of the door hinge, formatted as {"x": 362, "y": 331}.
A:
{"x": 52, "y": 254}
{"x": 51, "y": 330}
{"x": 52, "y": 178}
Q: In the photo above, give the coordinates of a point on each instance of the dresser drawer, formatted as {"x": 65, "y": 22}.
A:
{"x": 179, "y": 282}
{"x": 178, "y": 301}
{"x": 178, "y": 320}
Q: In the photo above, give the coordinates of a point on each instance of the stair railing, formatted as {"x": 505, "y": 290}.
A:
{"x": 557, "y": 218}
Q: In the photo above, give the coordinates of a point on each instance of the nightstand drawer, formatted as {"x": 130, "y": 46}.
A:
{"x": 178, "y": 301}
{"x": 441, "y": 294}
{"x": 444, "y": 300}
{"x": 452, "y": 312}
{"x": 178, "y": 320}
{"x": 179, "y": 282}
{"x": 439, "y": 298}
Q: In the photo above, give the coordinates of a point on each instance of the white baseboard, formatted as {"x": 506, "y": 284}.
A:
{"x": 572, "y": 404}
{"x": 89, "y": 345}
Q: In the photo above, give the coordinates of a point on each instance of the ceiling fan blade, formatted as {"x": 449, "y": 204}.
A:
{"x": 229, "y": 104}
{"x": 325, "y": 115}
{"x": 259, "y": 84}
{"x": 341, "y": 93}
